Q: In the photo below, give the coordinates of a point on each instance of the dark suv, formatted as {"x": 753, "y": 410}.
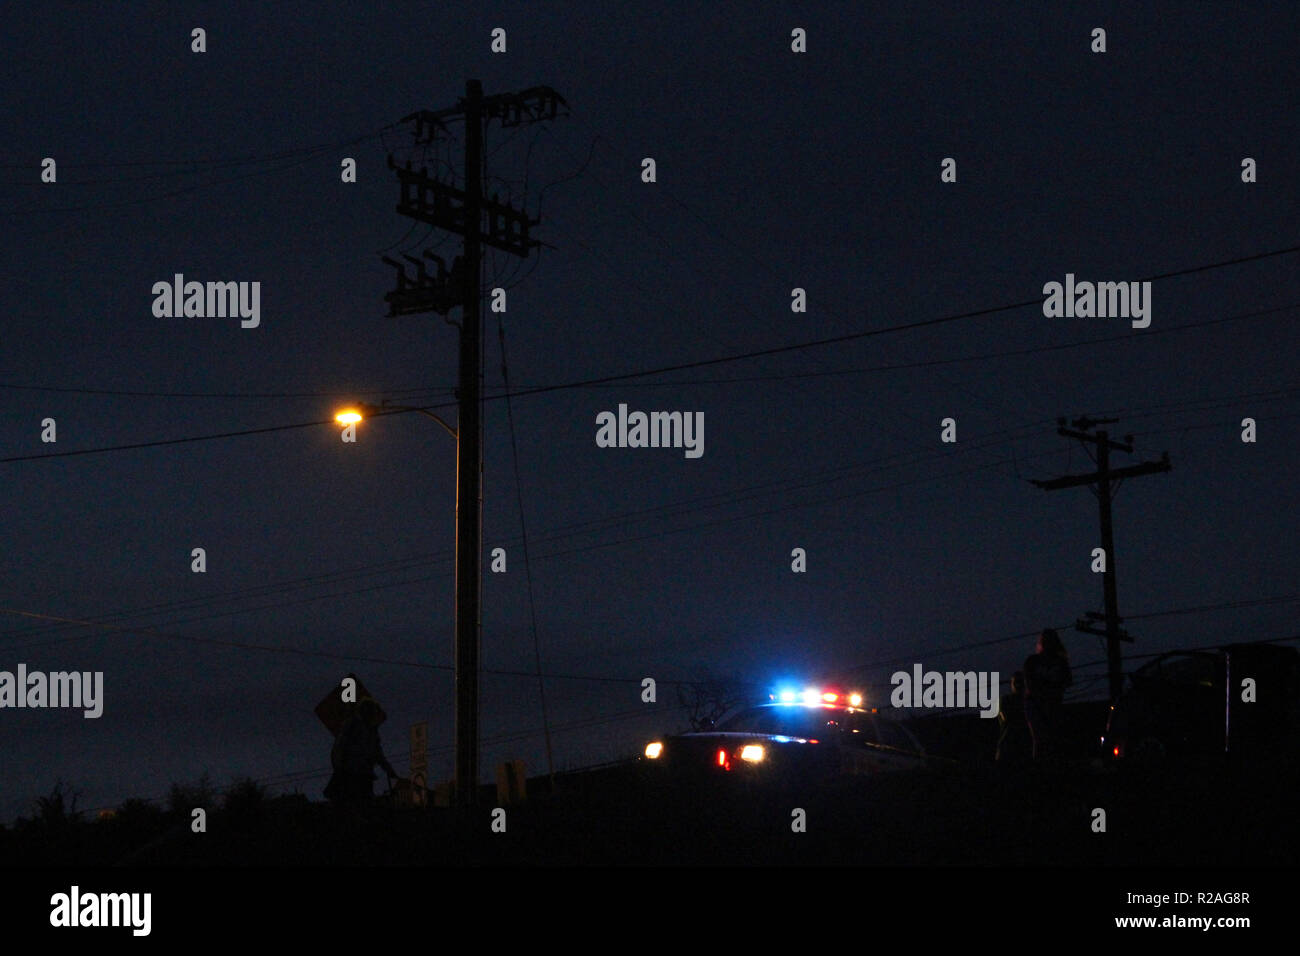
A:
{"x": 1189, "y": 704}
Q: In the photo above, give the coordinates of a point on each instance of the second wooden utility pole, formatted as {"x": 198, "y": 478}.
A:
{"x": 1100, "y": 480}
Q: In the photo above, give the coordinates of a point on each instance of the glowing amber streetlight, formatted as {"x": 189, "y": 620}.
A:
{"x": 355, "y": 413}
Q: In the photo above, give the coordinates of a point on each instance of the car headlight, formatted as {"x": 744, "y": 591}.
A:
{"x": 752, "y": 752}
{"x": 653, "y": 750}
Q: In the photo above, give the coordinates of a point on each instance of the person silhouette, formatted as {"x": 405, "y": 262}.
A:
{"x": 356, "y": 752}
{"x": 1047, "y": 675}
{"x": 1015, "y": 746}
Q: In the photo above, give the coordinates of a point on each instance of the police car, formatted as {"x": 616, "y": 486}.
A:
{"x": 819, "y": 733}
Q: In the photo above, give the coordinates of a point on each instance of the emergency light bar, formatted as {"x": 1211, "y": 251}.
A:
{"x": 813, "y": 695}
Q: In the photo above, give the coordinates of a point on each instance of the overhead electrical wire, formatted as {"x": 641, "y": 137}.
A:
{"x": 644, "y": 373}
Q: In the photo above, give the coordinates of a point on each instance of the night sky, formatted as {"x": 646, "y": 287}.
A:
{"x": 775, "y": 170}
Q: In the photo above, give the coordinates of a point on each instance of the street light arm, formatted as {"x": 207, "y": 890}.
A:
{"x": 451, "y": 431}
{"x": 386, "y": 408}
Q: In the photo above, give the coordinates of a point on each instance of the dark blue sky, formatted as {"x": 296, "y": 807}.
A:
{"x": 775, "y": 170}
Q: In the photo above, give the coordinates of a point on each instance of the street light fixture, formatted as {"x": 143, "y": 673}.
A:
{"x": 356, "y": 413}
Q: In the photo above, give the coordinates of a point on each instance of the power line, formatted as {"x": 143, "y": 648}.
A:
{"x": 842, "y": 414}
{"x": 911, "y": 659}
{"x": 1126, "y": 337}
{"x": 561, "y": 532}
{"x": 666, "y": 244}
{"x": 641, "y": 374}
{"x": 834, "y": 340}
{"x": 977, "y": 645}
{"x": 1281, "y": 393}
{"x": 1226, "y": 606}
{"x": 330, "y": 393}
{"x": 1235, "y": 423}
{"x": 792, "y": 507}
{"x": 446, "y": 389}
{"x": 222, "y": 160}
{"x": 302, "y": 775}
{"x": 328, "y": 579}
{"x": 329, "y": 655}
{"x": 554, "y": 554}
{"x": 303, "y": 155}
{"x": 1199, "y": 647}
{"x": 183, "y": 191}
{"x": 523, "y": 532}
{"x": 219, "y": 642}
{"x": 558, "y": 533}
{"x": 172, "y": 441}
{"x": 681, "y": 506}
{"x": 773, "y": 271}
{"x": 685, "y": 505}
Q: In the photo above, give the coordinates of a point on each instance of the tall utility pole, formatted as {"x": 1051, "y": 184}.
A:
{"x": 1099, "y": 482}
{"x": 481, "y": 221}
{"x": 469, "y": 466}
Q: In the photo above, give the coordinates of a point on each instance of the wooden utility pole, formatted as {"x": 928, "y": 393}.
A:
{"x": 469, "y": 465}
{"x": 481, "y": 221}
{"x": 1100, "y": 483}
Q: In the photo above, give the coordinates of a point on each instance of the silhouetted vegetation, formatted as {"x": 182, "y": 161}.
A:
{"x": 707, "y": 701}
{"x": 623, "y": 814}
{"x": 59, "y": 807}
{"x": 184, "y": 797}
{"x": 245, "y": 797}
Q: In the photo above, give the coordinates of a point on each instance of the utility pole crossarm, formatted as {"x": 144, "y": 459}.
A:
{"x": 427, "y": 126}
{"x": 1069, "y": 481}
{"x": 532, "y": 105}
{"x": 1132, "y": 471}
{"x": 1084, "y": 627}
{"x": 1124, "y": 446}
{"x": 429, "y": 200}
